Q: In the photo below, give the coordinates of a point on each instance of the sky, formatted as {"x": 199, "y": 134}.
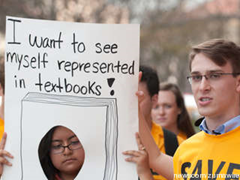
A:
{"x": 193, "y": 3}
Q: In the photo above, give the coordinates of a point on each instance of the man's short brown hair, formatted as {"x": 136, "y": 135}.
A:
{"x": 220, "y": 51}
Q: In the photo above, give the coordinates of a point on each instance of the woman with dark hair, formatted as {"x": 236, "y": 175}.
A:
{"x": 60, "y": 152}
{"x": 170, "y": 111}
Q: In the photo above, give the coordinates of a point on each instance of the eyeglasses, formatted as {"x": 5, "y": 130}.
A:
{"x": 58, "y": 149}
{"x": 211, "y": 77}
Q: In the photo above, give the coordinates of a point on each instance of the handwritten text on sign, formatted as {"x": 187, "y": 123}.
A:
{"x": 42, "y": 45}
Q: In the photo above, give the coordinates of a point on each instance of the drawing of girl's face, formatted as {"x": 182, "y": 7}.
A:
{"x": 66, "y": 153}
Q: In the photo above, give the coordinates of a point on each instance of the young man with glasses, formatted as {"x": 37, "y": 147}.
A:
{"x": 213, "y": 152}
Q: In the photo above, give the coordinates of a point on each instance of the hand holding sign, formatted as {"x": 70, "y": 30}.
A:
{"x": 4, "y": 154}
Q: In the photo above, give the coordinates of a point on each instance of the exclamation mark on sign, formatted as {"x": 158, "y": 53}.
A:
{"x": 110, "y": 83}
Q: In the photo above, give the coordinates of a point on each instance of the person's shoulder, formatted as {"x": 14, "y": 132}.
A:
{"x": 1, "y": 127}
{"x": 180, "y": 140}
{"x": 196, "y": 138}
{"x": 182, "y": 135}
{"x": 156, "y": 129}
{"x": 188, "y": 144}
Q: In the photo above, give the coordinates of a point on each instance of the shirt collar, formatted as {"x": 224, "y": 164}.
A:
{"x": 224, "y": 128}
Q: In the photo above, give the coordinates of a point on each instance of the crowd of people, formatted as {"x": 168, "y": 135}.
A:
{"x": 213, "y": 152}
{"x": 168, "y": 147}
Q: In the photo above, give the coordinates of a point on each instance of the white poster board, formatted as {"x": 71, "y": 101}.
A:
{"x": 78, "y": 75}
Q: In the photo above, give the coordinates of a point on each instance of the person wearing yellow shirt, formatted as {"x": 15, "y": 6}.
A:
{"x": 213, "y": 152}
{"x": 166, "y": 141}
{"x": 2, "y": 96}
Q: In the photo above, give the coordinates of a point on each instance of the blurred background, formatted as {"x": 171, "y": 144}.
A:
{"x": 168, "y": 27}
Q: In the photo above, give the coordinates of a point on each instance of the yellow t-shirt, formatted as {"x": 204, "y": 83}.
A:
{"x": 1, "y": 128}
{"x": 182, "y": 135}
{"x": 206, "y": 156}
{"x": 158, "y": 136}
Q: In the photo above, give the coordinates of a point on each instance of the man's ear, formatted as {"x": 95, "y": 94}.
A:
{"x": 154, "y": 100}
{"x": 238, "y": 84}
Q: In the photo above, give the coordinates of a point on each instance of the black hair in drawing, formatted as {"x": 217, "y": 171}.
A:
{"x": 44, "y": 157}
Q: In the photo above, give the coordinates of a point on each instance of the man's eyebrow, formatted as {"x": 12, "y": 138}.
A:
{"x": 195, "y": 72}
{"x": 208, "y": 72}
{"x": 216, "y": 71}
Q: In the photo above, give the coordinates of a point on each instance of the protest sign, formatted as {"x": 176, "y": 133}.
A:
{"x": 77, "y": 75}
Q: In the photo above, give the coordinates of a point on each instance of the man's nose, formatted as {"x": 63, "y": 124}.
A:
{"x": 204, "y": 84}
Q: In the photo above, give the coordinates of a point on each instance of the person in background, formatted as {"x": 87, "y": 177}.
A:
{"x": 171, "y": 113}
{"x": 166, "y": 141}
{"x": 2, "y": 85}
